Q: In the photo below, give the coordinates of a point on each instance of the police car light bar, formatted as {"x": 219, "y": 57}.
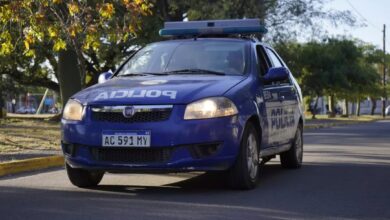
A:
{"x": 212, "y": 27}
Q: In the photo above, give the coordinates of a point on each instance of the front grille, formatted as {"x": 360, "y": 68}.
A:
{"x": 133, "y": 155}
{"x": 151, "y": 116}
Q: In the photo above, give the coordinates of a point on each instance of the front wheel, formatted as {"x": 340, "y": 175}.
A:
{"x": 245, "y": 171}
{"x": 83, "y": 178}
{"x": 293, "y": 157}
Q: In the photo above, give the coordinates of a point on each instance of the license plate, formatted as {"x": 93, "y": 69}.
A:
{"x": 126, "y": 139}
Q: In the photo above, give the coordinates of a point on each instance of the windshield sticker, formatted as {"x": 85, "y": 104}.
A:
{"x": 119, "y": 94}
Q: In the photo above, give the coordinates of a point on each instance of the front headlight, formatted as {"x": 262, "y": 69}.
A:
{"x": 73, "y": 111}
{"x": 210, "y": 108}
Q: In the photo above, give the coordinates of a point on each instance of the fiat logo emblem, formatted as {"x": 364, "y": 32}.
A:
{"x": 128, "y": 111}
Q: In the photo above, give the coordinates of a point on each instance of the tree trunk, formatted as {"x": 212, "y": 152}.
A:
{"x": 346, "y": 107}
{"x": 262, "y": 18}
{"x": 332, "y": 106}
{"x": 373, "y": 107}
{"x": 314, "y": 111}
{"x": 68, "y": 74}
{"x": 2, "y": 113}
{"x": 358, "y": 107}
{"x": 163, "y": 5}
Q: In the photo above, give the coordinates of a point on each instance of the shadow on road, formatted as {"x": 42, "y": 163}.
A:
{"x": 346, "y": 175}
{"x": 315, "y": 191}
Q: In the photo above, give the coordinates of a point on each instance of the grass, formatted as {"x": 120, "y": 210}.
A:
{"x": 340, "y": 118}
{"x": 323, "y": 121}
{"x": 18, "y": 135}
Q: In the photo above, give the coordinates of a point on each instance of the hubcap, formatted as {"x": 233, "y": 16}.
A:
{"x": 299, "y": 145}
{"x": 253, "y": 156}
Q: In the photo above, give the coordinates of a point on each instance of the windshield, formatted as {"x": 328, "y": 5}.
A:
{"x": 171, "y": 57}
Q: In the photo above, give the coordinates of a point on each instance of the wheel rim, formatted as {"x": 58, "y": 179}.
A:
{"x": 299, "y": 145}
{"x": 252, "y": 156}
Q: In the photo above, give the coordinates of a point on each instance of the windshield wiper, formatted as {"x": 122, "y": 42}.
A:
{"x": 195, "y": 71}
{"x": 141, "y": 74}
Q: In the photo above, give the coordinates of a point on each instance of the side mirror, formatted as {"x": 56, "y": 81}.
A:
{"x": 104, "y": 77}
{"x": 275, "y": 74}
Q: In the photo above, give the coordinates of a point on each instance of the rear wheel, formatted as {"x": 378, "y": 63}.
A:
{"x": 84, "y": 178}
{"x": 293, "y": 157}
{"x": 245, "y": 171}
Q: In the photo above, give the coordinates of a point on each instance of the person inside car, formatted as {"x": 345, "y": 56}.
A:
{"x": 235, "y": 62}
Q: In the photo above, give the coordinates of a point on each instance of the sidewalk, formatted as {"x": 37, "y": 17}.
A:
{"x": 323, "y": 121}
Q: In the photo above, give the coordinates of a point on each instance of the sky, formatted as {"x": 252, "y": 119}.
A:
{"x": 374, "y": 13}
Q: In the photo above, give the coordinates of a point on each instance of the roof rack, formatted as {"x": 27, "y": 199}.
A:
{"x": 243, "y": 27}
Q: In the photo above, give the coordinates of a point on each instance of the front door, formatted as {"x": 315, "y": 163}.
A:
{"x": 274, "y": 102}
{"x": 282, "y": 114}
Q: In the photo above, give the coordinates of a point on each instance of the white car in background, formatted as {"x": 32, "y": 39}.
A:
{"x": 26, "y": 110}
{"x": 387, "y": 112}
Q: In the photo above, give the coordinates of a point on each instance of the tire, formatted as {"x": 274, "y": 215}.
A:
{"x": 83, "y": 178}
{"x": 245, "y": 171}
{"x": 292, "y": 159}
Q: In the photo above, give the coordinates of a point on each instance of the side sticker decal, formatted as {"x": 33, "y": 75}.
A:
{"x": 281, "y": 119}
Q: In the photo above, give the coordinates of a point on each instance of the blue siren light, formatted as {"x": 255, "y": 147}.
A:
{"x": 212, "y": 27}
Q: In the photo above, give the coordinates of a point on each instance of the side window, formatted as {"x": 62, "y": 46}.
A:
{"x": 277, "y": 63}
{"x": 275, "y": 60}
{"x": 263, "y": 61}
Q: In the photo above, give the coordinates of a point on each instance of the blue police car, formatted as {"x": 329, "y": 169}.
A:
{"x": 211, "y": 98}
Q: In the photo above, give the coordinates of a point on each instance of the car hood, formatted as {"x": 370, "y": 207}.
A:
{"x": 156, "y": 89}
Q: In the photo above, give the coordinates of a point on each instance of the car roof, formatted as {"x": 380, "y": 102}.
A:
{"x": 221, "y": 39}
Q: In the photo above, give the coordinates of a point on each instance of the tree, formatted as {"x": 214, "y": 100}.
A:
{"x": 96, "y": 35}
{"x": 285, "y": 19}
{"x": 366, "y": 80}
{"x": 81, "y": 28}
{"x": 374, "y": 57}
{"x": 334, "y": 67}
{"x": 29, "y": 71}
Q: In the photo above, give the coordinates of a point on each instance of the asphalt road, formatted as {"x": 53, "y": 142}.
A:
{"x": 346, "y": 175}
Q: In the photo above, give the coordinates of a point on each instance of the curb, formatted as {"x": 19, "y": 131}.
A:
{"x": 39, "y": 163}
{"x": 327, "y": 125}
{"x": 29, "y": 116}
{"x": 334, "y": 124}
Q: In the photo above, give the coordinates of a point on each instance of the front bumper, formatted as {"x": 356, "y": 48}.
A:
{"x": 176, "y": 144}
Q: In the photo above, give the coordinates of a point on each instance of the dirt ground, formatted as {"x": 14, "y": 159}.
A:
{"x": 18, "y": 135}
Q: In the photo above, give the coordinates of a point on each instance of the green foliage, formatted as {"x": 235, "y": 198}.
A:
{"x": 335, "y": 67}
{"x": 90, "y": 27}
{"x": 284, "y": 18}
{"x": 81, "y": 26}
{"x": 70, "y": 23}
{"x": 103, "y": 33}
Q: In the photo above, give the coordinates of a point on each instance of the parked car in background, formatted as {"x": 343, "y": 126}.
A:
{"x": 26, "y": 110}
{"x": 53, "y": 110}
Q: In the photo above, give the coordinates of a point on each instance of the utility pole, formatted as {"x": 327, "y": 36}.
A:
{"x": 384, "y": 100}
